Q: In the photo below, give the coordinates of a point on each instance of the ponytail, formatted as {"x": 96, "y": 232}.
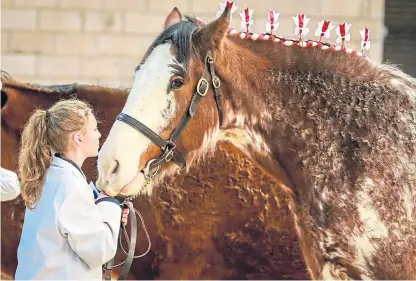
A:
{"x": 34, "y": 157}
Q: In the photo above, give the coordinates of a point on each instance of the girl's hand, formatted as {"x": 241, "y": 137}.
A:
{"x": 125, "y": 213}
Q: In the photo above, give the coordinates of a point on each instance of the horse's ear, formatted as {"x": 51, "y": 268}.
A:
{"x": 215, "y": 31}
{"x": 173, "y": 18}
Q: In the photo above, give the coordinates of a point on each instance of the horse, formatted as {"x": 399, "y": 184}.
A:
{"x": 334, "y": 128}
{"x": 228, "y": 232}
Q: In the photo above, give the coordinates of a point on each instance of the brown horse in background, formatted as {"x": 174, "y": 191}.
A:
{"x": 224, "y": 220}
{"x": 336, "y": 129}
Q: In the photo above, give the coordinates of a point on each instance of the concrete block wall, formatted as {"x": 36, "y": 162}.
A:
{"x": 101, "y": 41}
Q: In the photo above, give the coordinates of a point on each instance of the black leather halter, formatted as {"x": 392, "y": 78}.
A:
{"x": 168, "y": 146}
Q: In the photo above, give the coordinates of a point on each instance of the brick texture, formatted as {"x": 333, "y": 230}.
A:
{"x": 103, "y": 21}
{"x": 18, "y": 19}
{"x": 30, "y": 42}
{"x": 101, "y": 41}
{"x": 60, "y": 20}
{"x": 35, "y": 3}
{"x": 58, "y": 66}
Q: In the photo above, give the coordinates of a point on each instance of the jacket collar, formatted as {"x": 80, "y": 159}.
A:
{"x": 68, "y": 164}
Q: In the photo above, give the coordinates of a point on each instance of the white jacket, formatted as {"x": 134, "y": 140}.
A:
{"x": 10, "y": 187}
{"x": 67, "y": 236}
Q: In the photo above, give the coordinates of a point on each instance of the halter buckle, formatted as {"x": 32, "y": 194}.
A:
{"x": 146, "y": 170}
{"x": 202, "y": 87}
{"x": 169, "y": 156}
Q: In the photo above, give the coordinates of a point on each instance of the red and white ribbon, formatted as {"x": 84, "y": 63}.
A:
{"x": 365, "y": 39}
{"x": 199, "y": 21}
{"x": 272, "y": 22}
{"x": 324, "y": 29}
{"x": 301, "y": 21}
{"x": 247, "y": 19}
{"x": 224, "y": 4}
{"x": 343, "y": 32}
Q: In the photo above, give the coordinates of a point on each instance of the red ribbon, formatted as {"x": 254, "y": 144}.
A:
{"x": 325, "y": 27}
{"x": 271, "y": 15}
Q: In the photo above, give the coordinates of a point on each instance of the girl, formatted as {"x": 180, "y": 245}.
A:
{"x": 66, "y": 235}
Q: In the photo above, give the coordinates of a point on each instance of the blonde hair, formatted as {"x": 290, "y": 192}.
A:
{"x": 47, "y": 131}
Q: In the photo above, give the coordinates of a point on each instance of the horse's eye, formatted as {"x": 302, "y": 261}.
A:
{"x": 176, "y": 84}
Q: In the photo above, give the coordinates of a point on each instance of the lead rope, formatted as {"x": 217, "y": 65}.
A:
{"x": 128, "y": 241}
{"x": 108, "y": 267}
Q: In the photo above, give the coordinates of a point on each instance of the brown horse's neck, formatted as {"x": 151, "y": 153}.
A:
{"x": 279, "y": 99}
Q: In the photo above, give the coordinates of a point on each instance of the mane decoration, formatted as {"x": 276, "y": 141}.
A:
{"x": 301, "y": 22}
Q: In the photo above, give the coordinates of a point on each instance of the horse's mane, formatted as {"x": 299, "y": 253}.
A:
{"x": 180, "y": 36}
{"x": 382, "y": 72}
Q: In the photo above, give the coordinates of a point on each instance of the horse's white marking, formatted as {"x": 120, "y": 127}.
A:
{"x": 243, "y": 138}
{"x": 409, "y": 199}
{"x": 207, "y": 148}
{"x": 368, "y": 215}
{"x": 148, "y": 100}
{"x": 324, "y": 195}
{"x": 373, "y": 227}
{"x": 149, "y": 103}
{"x": 331, "y": 272}
{"x": 405, "y": 84}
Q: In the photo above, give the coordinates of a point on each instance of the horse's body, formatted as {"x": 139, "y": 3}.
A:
{"x": 335, "y": 129}
{"x": 228, "y": 232}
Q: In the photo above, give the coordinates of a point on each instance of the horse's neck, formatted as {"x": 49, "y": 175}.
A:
{"x": 268, "y": 92}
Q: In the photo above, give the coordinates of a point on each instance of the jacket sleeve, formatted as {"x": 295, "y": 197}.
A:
{"x": 10, "y": 186}
{"x": 92, "y": 229}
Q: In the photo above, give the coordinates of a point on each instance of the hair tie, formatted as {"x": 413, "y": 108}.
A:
{"x": 47, "y": 114}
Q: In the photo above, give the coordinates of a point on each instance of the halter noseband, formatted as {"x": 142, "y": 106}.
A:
{"x": 168, "y": 146}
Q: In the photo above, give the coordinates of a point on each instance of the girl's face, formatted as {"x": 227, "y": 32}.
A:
{"x": 90, "y": 139}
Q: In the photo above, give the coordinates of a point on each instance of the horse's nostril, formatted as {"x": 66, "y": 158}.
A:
{"x": 115, "y": 169}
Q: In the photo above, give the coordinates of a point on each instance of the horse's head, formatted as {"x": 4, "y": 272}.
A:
{"x": 172, "y": 107}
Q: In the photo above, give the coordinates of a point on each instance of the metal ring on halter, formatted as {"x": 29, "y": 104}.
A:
{"x": 146, "y": 170}
{"x": 216, "y": 82}
{"x": 169, "y": 156}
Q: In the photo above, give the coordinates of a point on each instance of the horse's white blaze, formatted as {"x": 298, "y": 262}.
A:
{"x": 150, "y": 103}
